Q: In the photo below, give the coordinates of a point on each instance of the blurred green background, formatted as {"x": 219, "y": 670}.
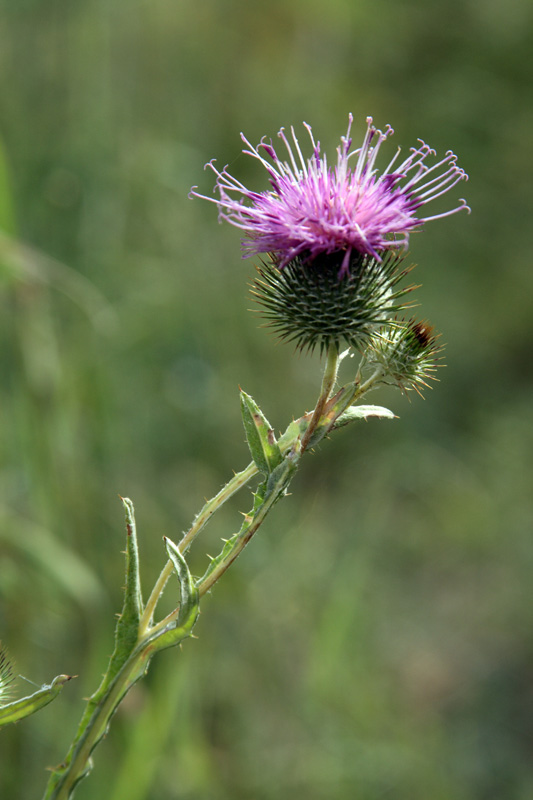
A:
{"x": 375, "y": 641}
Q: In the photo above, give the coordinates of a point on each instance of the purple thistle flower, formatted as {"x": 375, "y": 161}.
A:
{"x": 314, "y": 209}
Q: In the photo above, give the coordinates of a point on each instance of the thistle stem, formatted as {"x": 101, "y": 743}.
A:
{"x": 328, "y": 382}
{"x": 363, "y": 388}
{"x": 239, "y": 480}
{"x": 101, "y": 708}
{"x": 270, "y": 491}
{"x": 207, "y": 583}
{"x": 94, "y": 728}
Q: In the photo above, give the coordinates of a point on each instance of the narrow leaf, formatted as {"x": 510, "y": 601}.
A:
{"x": 294, "y": 430}
{"x": 363, "y": 412}
{"x": 189, "y": 601}
{"x": 19, "y": 709}
{"x": 127, "y": 630}
{"x": 260, "y": 436}
{"x": 188, "y": 590}
{"x": 280, "y": 478}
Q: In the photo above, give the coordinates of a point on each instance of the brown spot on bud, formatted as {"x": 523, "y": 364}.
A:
{"x": 423, "y": 333}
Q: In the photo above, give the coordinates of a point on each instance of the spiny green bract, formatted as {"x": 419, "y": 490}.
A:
{"x": 6, "y": 675}
{"x": 312, "y": 304}
{"x": 408, "y": 351}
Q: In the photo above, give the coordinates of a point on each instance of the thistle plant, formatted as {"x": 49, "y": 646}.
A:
{"x": 333, "y": 245}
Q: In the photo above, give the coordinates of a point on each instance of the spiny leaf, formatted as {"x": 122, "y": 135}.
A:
{"x": 353, "y": 413}
{"x": 127, "y": 629}
{"x": 19, "y": 709}
{"x": 188, "y": 590}
{"x": 295, "y": 429}
{"x": 260, "y": 436}
{"x": 189, "y": 602}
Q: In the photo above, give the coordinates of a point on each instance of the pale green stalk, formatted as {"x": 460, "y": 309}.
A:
{"x": 233, "y": 486}
{"x": 328, "y": 382}
{"x": 274, "y": 490}
{"x": 97, "y": 725}
{"x": 361, "y": 389}
{"x": 239, "y": 480}
{"x": 139, "y": 638}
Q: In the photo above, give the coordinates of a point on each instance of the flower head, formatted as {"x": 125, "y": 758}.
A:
{"x": 313, "y": 209}
{"x": 408, "y": 351}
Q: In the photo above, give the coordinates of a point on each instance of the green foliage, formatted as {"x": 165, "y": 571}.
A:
{"x": 18, "y": 709}
{"x": 127, "y": 629}
{"x": 267, "y": 494}
{"x": 354, "y": 413}
{"x": 135, "y": 643}
{"x": 383, "y": 641}
{"x": 180, "y": 628}
{"x": 263, "y": 446}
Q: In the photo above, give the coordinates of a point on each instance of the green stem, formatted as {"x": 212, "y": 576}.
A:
{"x": 274, "y": 488}
{"x": 363, "y": 388}
{"x": 328, "y": 382}
{"x": 236, "y": 483}
{"x": 105, "y": 701}
{"x": 239, "y": 480}
{"x": 242, "y": 539}
{"x": 95, "y": 727}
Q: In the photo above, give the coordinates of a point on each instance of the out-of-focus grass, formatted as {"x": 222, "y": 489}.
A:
{"x": 375, "y": 641}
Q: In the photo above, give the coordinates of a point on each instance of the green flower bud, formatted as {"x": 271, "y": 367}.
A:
{"x": 408, "y": 351}
{"x": 323, "y": 302}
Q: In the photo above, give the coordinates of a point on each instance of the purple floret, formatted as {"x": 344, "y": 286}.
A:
{"x": 313, "y": 209}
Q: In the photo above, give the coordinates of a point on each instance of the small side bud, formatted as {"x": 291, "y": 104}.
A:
{"x": 408, "y": 351}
